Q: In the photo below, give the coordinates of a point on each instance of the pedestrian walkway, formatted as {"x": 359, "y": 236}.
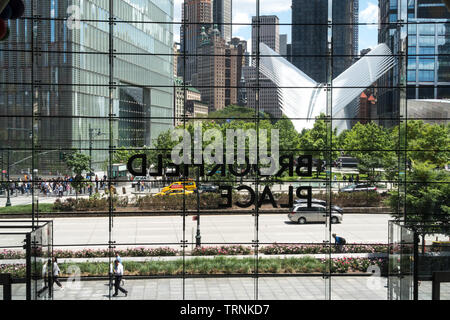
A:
{"x": 269, "y": 288}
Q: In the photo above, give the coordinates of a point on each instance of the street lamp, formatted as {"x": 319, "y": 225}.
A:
{"x": 198, "y": 237}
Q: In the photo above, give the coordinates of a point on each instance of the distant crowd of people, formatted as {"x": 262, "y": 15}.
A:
{"x": 59, "y": 187}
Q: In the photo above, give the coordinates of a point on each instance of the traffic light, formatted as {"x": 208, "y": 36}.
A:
{"x": 9, "y": 10}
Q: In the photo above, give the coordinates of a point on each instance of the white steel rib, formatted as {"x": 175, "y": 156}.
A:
{"x": 302, "y": 99}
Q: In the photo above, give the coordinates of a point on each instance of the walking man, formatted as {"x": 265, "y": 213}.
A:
{"x": 56, "y": 272}
{"x": 118, "y": 272}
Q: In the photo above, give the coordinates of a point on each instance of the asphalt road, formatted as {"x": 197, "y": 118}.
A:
{"x": 132, "y": 231}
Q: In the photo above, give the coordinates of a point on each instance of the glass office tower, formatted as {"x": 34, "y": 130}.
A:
{"x": 73, "y": 100}
{"x": 428, "y": 75}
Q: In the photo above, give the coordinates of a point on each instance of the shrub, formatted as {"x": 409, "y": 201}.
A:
{"x": 94, "y": 203}
{"x": 223, "y": 250}
{"x": 320, "y": 248}
{"x": 354, "y": 199}
{"x": 207, "y": 201}
{"x": 218, "y": 265}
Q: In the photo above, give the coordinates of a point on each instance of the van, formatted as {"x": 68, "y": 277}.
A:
{"x": 316, "y": 213}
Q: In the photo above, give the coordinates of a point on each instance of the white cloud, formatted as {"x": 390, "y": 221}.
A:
{"x": 241, "y": 17}
{"x": 369, "y": 15}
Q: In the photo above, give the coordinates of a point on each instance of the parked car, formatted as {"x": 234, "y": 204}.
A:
{"x": 358, "y": 187}
{"x": 321, "y": 202}
{"x": 316, "y": 213}
{"x": 208, "y": 188}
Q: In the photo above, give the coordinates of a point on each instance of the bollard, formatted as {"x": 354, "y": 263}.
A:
{"x": 124, "y": 191}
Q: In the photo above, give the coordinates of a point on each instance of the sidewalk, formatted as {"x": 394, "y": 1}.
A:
{"x": 269, "y": 288}
{"x": 276, "y": 288}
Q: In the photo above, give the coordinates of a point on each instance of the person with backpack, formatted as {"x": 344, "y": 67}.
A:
{"x": 339, "y": 242}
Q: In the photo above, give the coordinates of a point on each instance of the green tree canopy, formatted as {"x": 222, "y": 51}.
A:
{"x": 425, "y": 142}
{"x": 317, "y": 141}
{"x": 371, "y": 145}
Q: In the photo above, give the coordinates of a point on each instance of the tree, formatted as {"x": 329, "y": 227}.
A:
{"x": 427, "y": 193}
{"x": 289, "y": 137}
{"x": 78, "y": 163}
{"x": 233, "y": 112}
{"x": 424, "y": 142}
{"x": 318, "y": 142}
{"x": 371, "y": 145}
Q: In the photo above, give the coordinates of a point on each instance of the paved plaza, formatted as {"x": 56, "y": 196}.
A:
{"x": 269, "y": 288}
{"x": 276, "y": 288}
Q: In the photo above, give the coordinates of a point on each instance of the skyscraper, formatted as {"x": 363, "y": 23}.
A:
{"x": 216, "y": 76}
{"x": 267, "y": 100}
{"x": 75, "y": 95}
{"x": 428, "y": 63}
{"x": 269, "y": 32}
{"x": 283, "y": 45}
{"x": 309, "y": 36}
{"x": 195, "y": 15}
{"x": 355, "y": 28}
{"x": 222, "y": 15}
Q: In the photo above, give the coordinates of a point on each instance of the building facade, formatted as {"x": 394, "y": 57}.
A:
{"x": 309, "y": 36}
{"x": 196, "y": 14}
{"x": 216, "y": 76}
{"x": 428, "y": 63}
{"x": 269, "y": 34}
{"x": 75, "y": 95}
{"x": 222, "y": 17}
{"x": 187, "y": 102}
{"x": 283, "y": 45}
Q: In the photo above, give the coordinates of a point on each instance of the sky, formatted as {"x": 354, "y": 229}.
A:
{"x": 243, "y": 10}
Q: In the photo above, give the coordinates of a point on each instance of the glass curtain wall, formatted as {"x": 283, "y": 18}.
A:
{"x": 99, "y": 98}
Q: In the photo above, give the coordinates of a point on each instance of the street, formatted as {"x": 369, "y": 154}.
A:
{"x": 239, "y": 229}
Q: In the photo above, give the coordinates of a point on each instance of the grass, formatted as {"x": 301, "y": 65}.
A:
{"x": 204, "y": 266}
{"x": 26, "y": 208}
{"x": 218, "y": 265}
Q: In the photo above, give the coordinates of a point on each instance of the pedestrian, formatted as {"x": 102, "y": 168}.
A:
{"x": 344, "y": 178}
{"x": 118, "y": 273}
{"x": 45, "y": 277}
{"x": 56, "y": 272}
{"x": 357, "y": 178}
{"x": 339, "y": 242}
{"x": 118, "y": 258}
{"x": 351, "y": 179}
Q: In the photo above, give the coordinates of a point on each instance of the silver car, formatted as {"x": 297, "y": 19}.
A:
{"x": 316, "y": 213}
{"x": 358, "y": 188}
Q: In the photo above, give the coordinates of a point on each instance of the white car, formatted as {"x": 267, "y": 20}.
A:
{"x": 316, "y": 213}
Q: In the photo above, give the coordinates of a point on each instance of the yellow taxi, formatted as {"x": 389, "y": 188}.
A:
{"x": 187, "y": 185}
{"x": 174, "y": 192}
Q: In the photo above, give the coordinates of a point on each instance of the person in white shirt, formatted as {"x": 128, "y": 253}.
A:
{"x": 56, "y": 272}
{"x": 118, "y": 272}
